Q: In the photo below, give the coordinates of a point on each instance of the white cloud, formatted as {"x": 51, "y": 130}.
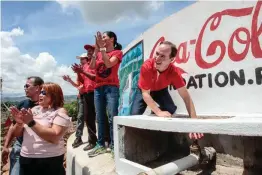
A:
{"x": 16, "y": 66}
{"x": 98, "y": 12}
{"x": 6, "y": 37}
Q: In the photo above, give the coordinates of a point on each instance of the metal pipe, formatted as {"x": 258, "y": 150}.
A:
{"x": 207, "y": 154}
{"x": 175, "y": 166}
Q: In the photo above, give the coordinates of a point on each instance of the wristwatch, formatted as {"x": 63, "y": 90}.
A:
{"x": 102, "y": 49}
{"x": 31, "y": 123}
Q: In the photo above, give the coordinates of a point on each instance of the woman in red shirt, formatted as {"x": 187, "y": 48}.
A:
{"x": 106, "y": 61}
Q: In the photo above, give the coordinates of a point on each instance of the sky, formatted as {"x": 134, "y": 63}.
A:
{"x": 43, "y": 38}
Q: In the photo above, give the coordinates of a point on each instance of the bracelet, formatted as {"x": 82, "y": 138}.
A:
{"x": 31, "y": 123}
{"x": 102, "y": 49}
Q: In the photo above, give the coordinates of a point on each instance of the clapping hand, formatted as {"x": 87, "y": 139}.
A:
{"x": 77, "y": 68}
{"x": 17, "y": 115}
{"x": 27, "y": 115}
{"x": 100, "y": 43}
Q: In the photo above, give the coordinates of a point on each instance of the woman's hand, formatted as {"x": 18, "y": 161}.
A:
{"x": 17, "y": 115}
{"x": 99, "y": 40}
{"x": 66, "y": 78}
{"x": 77, "y": 68}
{"x": 27, "y": 115}
{"x": 96, "y": 49}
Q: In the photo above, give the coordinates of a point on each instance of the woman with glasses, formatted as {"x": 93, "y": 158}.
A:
{"x": 43, "y": 128}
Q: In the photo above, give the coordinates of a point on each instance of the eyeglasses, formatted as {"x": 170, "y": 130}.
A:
{"x": 43, "y": 92}
{"x": 27, "y": 86}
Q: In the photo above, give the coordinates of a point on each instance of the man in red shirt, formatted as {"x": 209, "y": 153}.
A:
{"x": 156, "y": 75}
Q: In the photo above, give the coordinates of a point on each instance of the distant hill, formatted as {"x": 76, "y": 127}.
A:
{"x": 68, "y": 98}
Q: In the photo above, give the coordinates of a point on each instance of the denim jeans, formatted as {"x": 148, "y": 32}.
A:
{"x": 15, "y": 156}
{"x": 106, "y": 102}
{"x": 161, "y": 97}
{"x": 80, "y": 117}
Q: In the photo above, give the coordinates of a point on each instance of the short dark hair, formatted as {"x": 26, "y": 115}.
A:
{"x": 172, "y": 46}
{"x": 111, "y": 34}
{"x": 37, "y": 80}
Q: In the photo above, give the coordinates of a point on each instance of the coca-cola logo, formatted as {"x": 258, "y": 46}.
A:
{"x": 212, "y": 23}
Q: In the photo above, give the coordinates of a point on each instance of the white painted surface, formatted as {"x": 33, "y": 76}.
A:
{"x": 78, "y": 162}
{"x": 241, "y": 126}
{"x": 241, "y": 101}
{"x": 186, "y": 25}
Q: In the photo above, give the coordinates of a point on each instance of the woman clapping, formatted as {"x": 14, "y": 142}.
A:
{"x": 43, "y": 128}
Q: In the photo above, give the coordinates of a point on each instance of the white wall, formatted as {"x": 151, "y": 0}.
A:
{"x": 186, "y": 25}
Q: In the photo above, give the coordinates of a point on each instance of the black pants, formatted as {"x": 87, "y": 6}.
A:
{"x": 161, "y": 97}
{"x": 90, "y": 118}
{"x": 42, "y": 166}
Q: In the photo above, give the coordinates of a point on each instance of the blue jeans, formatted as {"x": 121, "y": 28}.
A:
{"x": 106, "y": 102}
{"x": 161, "y": 97}
{"x": 15, "y": 156}
{"x": 80, "y": 117}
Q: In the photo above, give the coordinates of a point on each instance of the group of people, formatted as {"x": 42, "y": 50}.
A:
{"x": 42, "y": 121}
{"x": 98, "y": 86}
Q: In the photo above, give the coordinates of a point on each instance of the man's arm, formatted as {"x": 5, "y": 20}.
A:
{"x": 9, "y": 136}
{"x": 152, "y": 104}
{"x": 183, "y": 92}
{"x": 18, "y": 129}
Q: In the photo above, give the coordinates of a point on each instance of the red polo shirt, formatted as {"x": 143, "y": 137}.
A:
{"x": 150, "y": 79}
{"x": 89, "y": 85}
{"x": 104, "y": 75}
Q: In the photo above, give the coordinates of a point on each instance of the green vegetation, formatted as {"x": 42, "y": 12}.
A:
{"x": 8, "y": 104}
{"x": 72, "y": 109}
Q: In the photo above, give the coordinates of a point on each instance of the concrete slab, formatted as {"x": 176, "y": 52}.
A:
{"x": 142, "y": 139}
{"x": 240, "y": 125}
{"x": 78, "y": 162}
